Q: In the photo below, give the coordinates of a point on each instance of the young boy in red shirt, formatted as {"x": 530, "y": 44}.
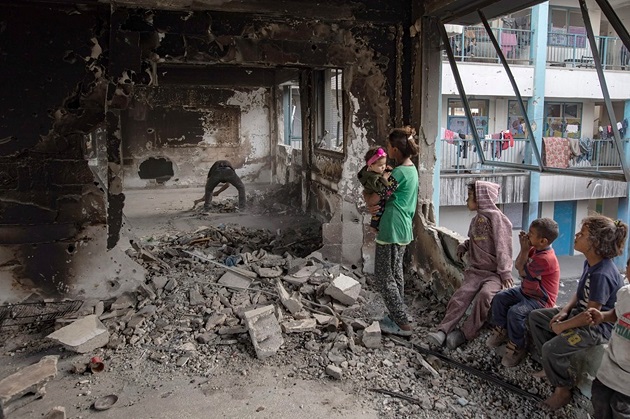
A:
{"x": 539, "y": 270}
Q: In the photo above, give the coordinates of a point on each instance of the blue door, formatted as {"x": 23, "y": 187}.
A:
{"x": 564, "y": 214}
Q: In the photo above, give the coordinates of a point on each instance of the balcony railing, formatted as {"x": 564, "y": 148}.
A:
{"x": 563, "y": 49}
{"x": 460, "y": 156}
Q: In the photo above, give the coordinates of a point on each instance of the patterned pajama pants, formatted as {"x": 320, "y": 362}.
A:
{"x": 388, "y": 270}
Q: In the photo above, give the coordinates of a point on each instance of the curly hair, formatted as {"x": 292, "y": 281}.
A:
{"x": 403, "y": 140}
{"x": 606, "y": 236}
{"x": 547, "y": 228}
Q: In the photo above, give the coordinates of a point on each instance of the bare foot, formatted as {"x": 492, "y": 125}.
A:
{"x": 561, "y": 397}
{"x": 539, "y": 374}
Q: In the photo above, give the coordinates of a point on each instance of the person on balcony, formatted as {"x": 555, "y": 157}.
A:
{"x": 489, "y": 249}
{"x": 471, "y": 43}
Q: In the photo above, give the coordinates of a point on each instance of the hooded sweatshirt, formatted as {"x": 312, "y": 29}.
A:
{"x": 489, "y": 242}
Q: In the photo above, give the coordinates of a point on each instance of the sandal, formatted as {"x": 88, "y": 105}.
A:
{"x": 388, "y": 326}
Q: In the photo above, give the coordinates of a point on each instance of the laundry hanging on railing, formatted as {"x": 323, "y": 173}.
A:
{"x": 556, "y": 152}
{"x": 449, "y": 135}
{"x": 499, "y": 142}
{"x": 586, "y": 149}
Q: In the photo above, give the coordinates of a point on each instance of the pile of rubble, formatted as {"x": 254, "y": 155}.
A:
{"x": 218, "y": 301}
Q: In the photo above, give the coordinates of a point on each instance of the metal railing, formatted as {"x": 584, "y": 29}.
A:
{"x": 563, "y": 49}
{"x": 460, "y": 156}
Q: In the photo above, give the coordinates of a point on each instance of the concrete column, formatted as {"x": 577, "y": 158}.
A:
{"x": 536, "y": 104}
{"x": 623, "y": 210}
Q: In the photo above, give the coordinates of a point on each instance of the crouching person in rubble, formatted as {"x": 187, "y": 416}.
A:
{"x": 222, "y": 172}
{"x": 489, "y": 249}
{"x": 559, "y": 333}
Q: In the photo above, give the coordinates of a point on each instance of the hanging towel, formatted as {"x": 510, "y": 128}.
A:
{"x": 449, "y": 136}
{"x": 556, "y": 152}
{"x": 508, "y": 43}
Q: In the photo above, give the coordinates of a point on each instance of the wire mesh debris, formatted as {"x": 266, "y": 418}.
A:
{"x": 12, "y": 315}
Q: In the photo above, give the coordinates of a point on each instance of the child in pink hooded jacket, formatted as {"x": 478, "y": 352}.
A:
{"x": 489, "y": 249}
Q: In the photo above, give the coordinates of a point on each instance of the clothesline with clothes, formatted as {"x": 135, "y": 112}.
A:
{"x": 496, "y": 143}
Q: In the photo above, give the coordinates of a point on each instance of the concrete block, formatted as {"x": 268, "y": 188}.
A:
{"x": 350, "y": 212}
{"x": 303, "y": 275}
{"x": 232, "y": 330}
{"x": 217, "y": 319}
{"x": 147, "y": 292}
{"x": 351, "y": 254}
{"x": 334, "y": 371}
{"x": 299, "y": 326}
{"x": 332, "y": 233}
{"x": 344, "y": 289}
{"x": 291, "y": 302}
{"x": 331, "y": 253}
{"x": 124, "y": 301}
{"x": 230, "y": 279}
{"x": 159, "y": 282}
{"x": 264, "y": 331}
{"x": 295, "y": 281}
{"x": 368, "y": 249}
{"x": 352, "y": 233}
{"x": 57, "y": 412}
{"x": 450, "y": 240}
{"x": 294, "y": 265}
{"x": 171, "y": 285}
{"x": 321, "y": 318}
{"x": 372, "y": 336}
{"x": 83, "y": 335}
{"x": 269, "y": 272}
{"x": 195, "y": 298}
{"x": 31, "y": 379}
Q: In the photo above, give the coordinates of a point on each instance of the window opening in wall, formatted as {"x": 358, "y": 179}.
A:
{"x": 160, "y": 169}
{"x": 329, "y": 109}
{"x": 457, "y": 121}
{"x": 292, "y": 115}
{"x": 563, "y": 120}
{"x": 566, "y": 28}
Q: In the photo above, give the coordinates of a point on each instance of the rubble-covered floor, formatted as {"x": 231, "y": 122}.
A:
{"x": 178, "y": 347}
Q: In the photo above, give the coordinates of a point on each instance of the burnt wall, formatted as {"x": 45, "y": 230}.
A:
{"x": 52, "y": 69}
{"x": 191, "y": 127}
{"x": 362, "y": 39}
{"x": 52, "y": 96}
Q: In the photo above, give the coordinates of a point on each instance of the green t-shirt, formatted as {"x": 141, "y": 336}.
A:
{"x": 395, "y": 225}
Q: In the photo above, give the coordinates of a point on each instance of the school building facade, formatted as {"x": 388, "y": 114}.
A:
{"x": 575, "y": 125}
